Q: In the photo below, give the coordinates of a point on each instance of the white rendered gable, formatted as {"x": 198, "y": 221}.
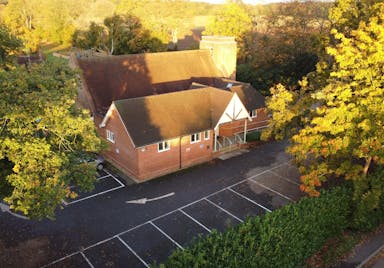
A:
{"x": 235, "y": 110}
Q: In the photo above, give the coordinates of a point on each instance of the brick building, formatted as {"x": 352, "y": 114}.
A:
{"x": 161, "y": 112}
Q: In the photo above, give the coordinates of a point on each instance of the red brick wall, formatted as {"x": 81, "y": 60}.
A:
{"x": 121, "y": 153}
{"x": 194, "y": 153}
{"x": 260, "y": 121}
{"x": 146, "y": 162}
{"x": 229, "y": 129}
{"x": 152, "y": 163}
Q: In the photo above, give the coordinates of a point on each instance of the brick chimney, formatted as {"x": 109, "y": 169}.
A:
{"x": 223, "y": 51}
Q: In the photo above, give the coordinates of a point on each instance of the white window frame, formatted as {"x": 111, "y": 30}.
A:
{"x": 110, "y": 136}
{"x": 196, "y": 137}
{"x": 166, "y": 146}
{"x": 253, "y": 113}
{"x": 207, "y": 134}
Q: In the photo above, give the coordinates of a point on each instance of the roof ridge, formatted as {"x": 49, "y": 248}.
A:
{"x": 203, "y": 89}
{"x": 138, "y": 55}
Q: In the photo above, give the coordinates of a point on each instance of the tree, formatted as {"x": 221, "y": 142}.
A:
{"x": 339, "y": 129}
{"x": 232, "y": 20}
{"x": 42, "y": 135}
{"x": 20, "y": 17}
{"x": 284, "y": 44}
{"x": 118, "y": 35}
{"x": 9, "y": 45}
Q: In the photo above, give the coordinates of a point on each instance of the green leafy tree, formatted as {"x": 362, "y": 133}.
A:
{"x": 118, "y": 35}
{"x": 42, "y": 135}
{"x": 9, "y": 45}
{"x": 284, "y": 44}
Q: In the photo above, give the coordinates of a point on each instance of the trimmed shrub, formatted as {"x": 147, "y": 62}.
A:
{"x": 368, "y": 211}
{"x": 283, "y": 238}
{"x": 253, "y": 136}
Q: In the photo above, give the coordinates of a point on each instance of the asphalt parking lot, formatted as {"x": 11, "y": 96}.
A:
{"x": 153, "y": 240}
{"x": 140, "y": 224}
{"x": 105, "y": 182}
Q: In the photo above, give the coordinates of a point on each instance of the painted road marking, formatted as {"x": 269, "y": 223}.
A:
{"x": 142, "y": 201}
{"x": 87, "y": 260}
{"x": 130, "y": 249}
{"x": 121, "y": 185}
{"x": 226, "y": 211}
{"x": 266, "y": 187}
{"x": 91, "y": 196}
{"x": 103, "y": 177}
{"x": 182, "y": 207}
{"x": 6, "y": 208}
{"x": 284, "y": 178}
{"x": 250, "y": 200}
{"x": 199, "y": 223}
{"x": 170, "y": 238}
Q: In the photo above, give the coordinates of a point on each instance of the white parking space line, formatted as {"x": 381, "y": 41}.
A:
{"x": 170, "y": 238}
{"x": 133, "y": 252}
{"x": 284, "y": 178}
{"x": 90, "y": 196}
{"x": 270, "y": 189}
{"x": 226, "y": 211}
{"x": 61, "y": 259}
{"x": 370, "y": 257}
{"x": 119, "y": 182}
{"x": 87, "y": 260}
{"x": 199, "y": 223}
{"x": 182, "y": 207}
{"x": 250, "y": 200}
{"x": 121, "y": 185}
{"x": 103, "y": 177}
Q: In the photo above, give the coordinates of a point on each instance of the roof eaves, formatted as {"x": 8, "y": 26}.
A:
{"x": 125, "y": 127}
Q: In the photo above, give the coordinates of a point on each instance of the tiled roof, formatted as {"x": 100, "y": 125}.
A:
{"x": 130, "y": 76}
{"x": 250, "y": 97}
{"x": 156, "y": 118}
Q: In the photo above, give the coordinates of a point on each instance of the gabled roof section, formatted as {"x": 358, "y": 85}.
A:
{"x": 250, "y": 97}
{"x": 156, "y": 118}
{"x": 112, "y": 78}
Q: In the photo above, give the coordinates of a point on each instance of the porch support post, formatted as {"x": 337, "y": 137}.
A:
{"x": 215, "y": 140}
{"x": 245, "y": 130}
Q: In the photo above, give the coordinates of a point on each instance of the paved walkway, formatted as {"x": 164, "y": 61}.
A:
{"x": 367, "y": 251}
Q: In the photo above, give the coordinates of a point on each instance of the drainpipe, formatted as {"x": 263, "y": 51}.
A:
{"x": 180, "y": 152}
{"x": 245, "y": 130}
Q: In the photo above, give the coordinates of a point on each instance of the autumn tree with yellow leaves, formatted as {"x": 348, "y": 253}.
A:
{"x": 336, "y": 121}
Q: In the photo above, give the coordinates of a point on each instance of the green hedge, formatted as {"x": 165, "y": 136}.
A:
{"x": 283, "y": 238}
{"x": 253, "y": 136}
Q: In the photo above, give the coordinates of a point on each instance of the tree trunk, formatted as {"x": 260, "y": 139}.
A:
{"x": 367, "y": 165}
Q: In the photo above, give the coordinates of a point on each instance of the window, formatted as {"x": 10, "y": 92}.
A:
{"x": 195, "y": 137}
{"x": 206, "y": 135}
{"x": 110, "y": 136}
{"x": 163, "y": 146}
{"x": 253, "y": 113}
